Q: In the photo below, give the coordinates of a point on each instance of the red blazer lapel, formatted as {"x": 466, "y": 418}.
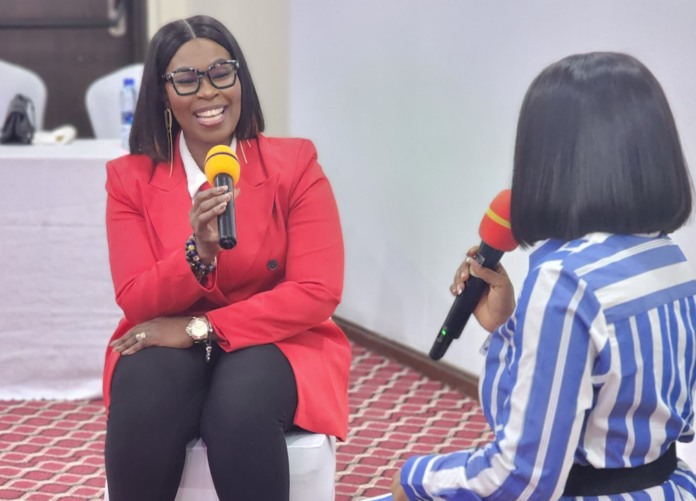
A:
{"x": 254, "y": 211}
{"x": 167, "y": 204}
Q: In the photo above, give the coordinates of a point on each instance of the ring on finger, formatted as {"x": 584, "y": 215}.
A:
{"x": 140, "y": 336}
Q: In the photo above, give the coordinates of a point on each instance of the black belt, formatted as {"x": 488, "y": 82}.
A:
{"x": 590, "y": 481}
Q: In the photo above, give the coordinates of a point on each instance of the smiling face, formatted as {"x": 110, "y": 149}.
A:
{"x": 209, "y": 116}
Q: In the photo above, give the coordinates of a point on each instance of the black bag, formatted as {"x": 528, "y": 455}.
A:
{"x": 19, "y": 126}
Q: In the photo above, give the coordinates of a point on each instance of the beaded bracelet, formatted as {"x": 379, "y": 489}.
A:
{"x": 197, "y": 266}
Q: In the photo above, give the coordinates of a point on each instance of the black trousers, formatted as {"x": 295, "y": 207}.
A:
{"x": 241, "y": 404}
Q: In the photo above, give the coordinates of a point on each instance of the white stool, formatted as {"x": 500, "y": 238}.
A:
{"x": 312, "y": 470}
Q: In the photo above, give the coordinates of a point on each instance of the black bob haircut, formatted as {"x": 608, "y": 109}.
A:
{"x": 149, "y": 134}
{"x": 597, "y": 150}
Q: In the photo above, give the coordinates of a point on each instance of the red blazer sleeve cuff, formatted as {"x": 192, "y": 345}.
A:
{"x": 222, "y": 341}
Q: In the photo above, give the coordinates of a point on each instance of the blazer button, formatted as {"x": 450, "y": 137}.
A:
{"x": 272, "y": 265}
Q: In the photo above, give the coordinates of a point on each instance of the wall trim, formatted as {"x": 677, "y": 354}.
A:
{"x": 439, "y": 371}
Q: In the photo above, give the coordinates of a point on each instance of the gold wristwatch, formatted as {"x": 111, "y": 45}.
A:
{"x": 199, "y": 329}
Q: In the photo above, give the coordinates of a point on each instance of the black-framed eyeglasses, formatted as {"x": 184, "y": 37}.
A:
{"x": 187, "y": 81}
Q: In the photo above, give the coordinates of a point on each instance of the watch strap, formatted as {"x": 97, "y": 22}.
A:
{"x": 209, "y": 340}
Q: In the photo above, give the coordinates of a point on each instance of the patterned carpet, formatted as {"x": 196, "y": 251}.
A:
{"x": 54, "y": 450}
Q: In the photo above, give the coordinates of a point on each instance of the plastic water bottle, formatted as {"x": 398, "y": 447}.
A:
{"x": 128, "y": 99}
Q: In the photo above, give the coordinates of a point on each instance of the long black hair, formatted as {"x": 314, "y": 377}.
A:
{"x": 597, "y": 151}
{"x": 149, "y": 134}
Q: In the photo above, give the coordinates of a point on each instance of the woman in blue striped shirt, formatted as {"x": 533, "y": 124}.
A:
{"x": 589, "y": 378}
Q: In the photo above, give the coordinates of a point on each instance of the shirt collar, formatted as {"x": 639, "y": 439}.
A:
{"x": 542, "y": 249}
{"x": 195, "y": 177}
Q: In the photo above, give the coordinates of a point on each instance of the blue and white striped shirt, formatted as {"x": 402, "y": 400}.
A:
{"x": 596, "y": 366}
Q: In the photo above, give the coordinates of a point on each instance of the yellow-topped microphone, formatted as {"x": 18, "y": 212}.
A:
{"x": 221, "y": 159}
{"x": 222, "y": 169}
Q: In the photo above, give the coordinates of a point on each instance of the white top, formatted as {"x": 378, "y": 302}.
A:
{"x": 195, "y": 177}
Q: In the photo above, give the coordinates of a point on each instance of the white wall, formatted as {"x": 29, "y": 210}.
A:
{"x": 160, "y": 12}
{"x": 262, "y": 29}
{"x": 413, "y": 107}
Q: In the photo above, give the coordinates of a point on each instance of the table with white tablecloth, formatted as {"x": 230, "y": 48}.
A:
{"x": 57, "y": 308}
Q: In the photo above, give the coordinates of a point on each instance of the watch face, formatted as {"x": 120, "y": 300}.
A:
{"x": 199, "y": 329}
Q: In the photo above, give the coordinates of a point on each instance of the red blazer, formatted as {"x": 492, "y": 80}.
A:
{"x": 286, "y": 213}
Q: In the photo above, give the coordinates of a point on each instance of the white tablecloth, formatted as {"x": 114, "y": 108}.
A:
{"x": 57, "y": 308}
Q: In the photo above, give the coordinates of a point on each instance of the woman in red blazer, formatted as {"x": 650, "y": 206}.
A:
{"x": 278, "y": 362}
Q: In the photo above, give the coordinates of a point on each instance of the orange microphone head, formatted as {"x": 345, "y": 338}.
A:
{"x": 221, "y": 160}
{"x": 495, "y": 229}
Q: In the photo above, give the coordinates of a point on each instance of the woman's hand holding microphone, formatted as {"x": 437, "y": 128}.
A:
{"x": 207, "y": 206}
{"x": 497, "y": 302}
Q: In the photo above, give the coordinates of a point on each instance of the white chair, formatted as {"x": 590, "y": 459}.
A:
{"x": 103, "y": 101}
{"x": 17, "y": 80}
{"x": 312, "y": 470}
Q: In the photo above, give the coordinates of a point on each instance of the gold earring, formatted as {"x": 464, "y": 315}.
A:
{"x": 241, "y": 145}
{"x": 168, "y": 125}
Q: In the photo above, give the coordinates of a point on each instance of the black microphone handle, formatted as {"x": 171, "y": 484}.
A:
{"x": 465, "y": 303}
{"x": 458, "y": 316}
{"x": 227, "y": 226}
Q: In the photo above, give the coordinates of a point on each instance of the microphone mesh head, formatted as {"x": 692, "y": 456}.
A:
{"x": 495, "y": 227}
{"x": 221, "y": 159}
